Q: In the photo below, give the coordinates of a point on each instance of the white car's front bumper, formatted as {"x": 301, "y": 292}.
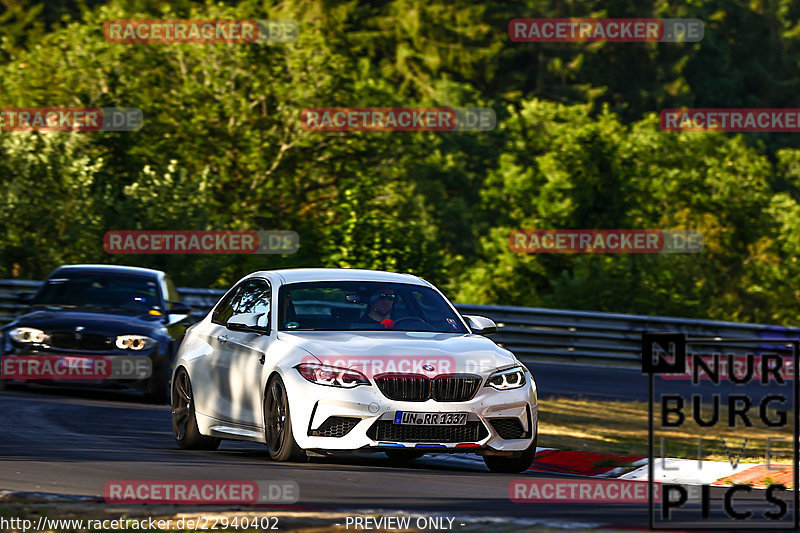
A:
{"x": 311, "y": 405}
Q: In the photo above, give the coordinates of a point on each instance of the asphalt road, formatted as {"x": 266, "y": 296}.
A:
{"x": 73, "y": 443}
{"x": 589, "y": 381}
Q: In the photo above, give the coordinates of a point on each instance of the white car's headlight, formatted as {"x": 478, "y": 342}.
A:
{"x": 512, "y": 378}
{"x": 28, "y": 335}
{"x": 332, "y": 376}
{"x": 134, "y": 342}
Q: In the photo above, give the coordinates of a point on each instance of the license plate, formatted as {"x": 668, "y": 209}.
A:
{"x": 430, "y": 419}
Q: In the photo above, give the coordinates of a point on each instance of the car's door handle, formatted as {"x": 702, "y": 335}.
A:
{"x": 222, "y": 338}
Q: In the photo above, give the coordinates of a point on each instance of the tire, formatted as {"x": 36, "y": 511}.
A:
{"x": 514, "y": 464}
{"x": 403, "y": 456}
{"x": 184, "y": 421}
{"x": 278, "y": 435}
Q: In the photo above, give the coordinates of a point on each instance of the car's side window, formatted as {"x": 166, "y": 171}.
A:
{"x": 254, "y": 298}
{"x": 224, "y": 310}
{"x": 172, "y": 291}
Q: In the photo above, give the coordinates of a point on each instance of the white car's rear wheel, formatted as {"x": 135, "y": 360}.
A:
{"x": 184, "y": 421}
{"x": 278, "y": 423}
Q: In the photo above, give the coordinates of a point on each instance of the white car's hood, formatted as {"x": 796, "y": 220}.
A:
{"x": 402, "y": 350}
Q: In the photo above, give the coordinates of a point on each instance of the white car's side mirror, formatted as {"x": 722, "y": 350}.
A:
{"x": 255, "y": 322}
{"x": 480, "y": 325}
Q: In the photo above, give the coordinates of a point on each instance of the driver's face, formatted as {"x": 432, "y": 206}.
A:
{"x": 385, "y": 302}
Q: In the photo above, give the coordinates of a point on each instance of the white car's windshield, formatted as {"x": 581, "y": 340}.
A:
{"x": 357, "y": 305}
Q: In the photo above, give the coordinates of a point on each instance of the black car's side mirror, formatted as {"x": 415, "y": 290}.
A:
{"x": 178, "y": 308}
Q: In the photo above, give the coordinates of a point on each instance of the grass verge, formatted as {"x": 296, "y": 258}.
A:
{"x": 621, "y": 428}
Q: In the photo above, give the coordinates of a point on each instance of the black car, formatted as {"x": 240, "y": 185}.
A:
{"x": 87, "y": 311}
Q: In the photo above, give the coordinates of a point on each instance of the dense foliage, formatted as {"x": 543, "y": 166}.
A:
{"x": 577, "y": 146}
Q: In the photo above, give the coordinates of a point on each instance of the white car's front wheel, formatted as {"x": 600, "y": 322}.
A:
{"x": 278, "y": 423}
{"x": 184, "y": 421}
{"x": 516, "y": 463}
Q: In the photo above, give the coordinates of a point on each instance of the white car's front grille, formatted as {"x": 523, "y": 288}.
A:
{"x": 387, "y": 430}
{"x": 419, "y": 388}
{"x": 508, "y": 428}
{"x": 335, "y": 426}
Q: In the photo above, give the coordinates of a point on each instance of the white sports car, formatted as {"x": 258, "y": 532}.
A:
{"x": 324, "y": 360}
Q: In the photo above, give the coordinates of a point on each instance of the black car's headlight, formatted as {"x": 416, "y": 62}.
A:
{"x": 28, "y": 335}
{"x": 512, "y": 378}
{"x": 134, "y": 342}
{"x": 332, "y": 376}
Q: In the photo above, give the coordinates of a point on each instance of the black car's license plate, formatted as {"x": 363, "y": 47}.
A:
{"x": 430, "y": 419}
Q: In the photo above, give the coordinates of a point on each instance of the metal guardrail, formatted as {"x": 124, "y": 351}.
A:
{"x": 531, "y": 333}
{"x": 537, "y": 333}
